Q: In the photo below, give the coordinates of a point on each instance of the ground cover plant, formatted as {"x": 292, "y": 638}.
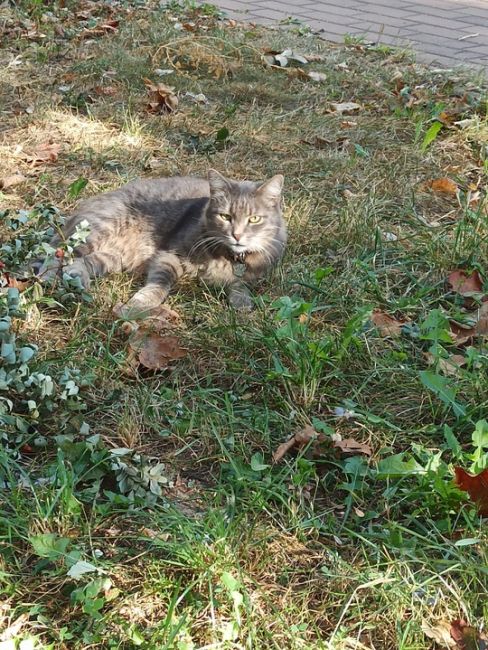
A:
{"x": 310, "y": 475}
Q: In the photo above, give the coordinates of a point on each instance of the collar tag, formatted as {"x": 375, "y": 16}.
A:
{"x": 239, "y": 269}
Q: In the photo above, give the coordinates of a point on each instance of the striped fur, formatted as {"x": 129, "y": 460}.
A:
{"x": 174, "y": 226}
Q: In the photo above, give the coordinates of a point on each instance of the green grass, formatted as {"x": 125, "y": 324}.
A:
{"x": 224, "y": 549}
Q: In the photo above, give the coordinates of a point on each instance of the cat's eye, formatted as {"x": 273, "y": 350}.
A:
{"x": 225, "y": 217}
{"x": 255, "y": 219}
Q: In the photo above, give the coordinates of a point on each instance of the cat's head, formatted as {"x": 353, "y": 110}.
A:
{"x": 245, "y": 217}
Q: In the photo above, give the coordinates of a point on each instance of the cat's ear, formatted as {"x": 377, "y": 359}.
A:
{"x": 219, "y": 186}
{"x": 271, "y": 190}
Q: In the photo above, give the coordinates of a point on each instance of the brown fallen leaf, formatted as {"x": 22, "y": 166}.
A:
{"x": 314, "y": 58}
{"x": 465, "y": 284}
{"x": 345, "y": 108}
{"x": 440, "y": 633}
{"x": 161, "y": 98}
{"x": 443, "y": 186}
{"x": 298, "y": 440}
{"x": 386, "y": 324}
{"x": 318, "y": 142}
{"x": 148, "y": 345}
{"x": 11, "y": 180}
{"x": 109, "y": 27}
{"x": 154, "y": 351}
{"x": 351, "y": 446}
{"x": 449, "y": 366}
{"x": 468, "y": 637}
{"x": 476, "y": 486}
{"x": 45, "y": 153}
{"x": 348, "y": 124}
{"x": 461, "y": 335}
{"x": 107, "y": 91}
{"x": 21, "y": 285}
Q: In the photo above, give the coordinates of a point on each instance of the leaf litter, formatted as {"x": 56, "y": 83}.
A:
{"x": 162, "y": 98}
{"x": 12, "y": 180}
{"x": 43, "y": 154}
{"x": 455, "y": 634}
{"x": 385, "y": 324}
{"x": 150, "y": 342}
{"x": 443, "y": 186}
{"x": 308, "y": 435}
{"x": 345, "y": 108}
{"x": 448, "y": 366}
{"x": 464, "y": 284}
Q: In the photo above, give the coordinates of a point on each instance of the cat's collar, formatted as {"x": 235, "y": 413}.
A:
{"x": 240, "y": 258}
{"x": 239, "y": 269}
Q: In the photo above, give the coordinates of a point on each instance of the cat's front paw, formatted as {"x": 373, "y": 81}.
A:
{"x": 142, "y": 304}
{"x": 240, "y": 299}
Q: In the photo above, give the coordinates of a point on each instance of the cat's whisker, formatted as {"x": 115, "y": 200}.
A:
{"x": 205, "y": 245}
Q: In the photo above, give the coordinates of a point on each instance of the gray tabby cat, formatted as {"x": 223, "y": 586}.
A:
{"x": 211, "y": 227}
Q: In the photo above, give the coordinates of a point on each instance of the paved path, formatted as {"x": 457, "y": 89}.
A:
{"x": 444, "y": 32}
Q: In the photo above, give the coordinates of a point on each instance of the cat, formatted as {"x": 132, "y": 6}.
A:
{"x": 213, "y": 227}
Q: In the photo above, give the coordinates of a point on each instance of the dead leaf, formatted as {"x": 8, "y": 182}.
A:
{"x": 450, "y": 366}
{"x": 154, "y": 351}
{"x": 348, "y": 124}
{"x": 468, "y": 637}
{"x": 108, "y": 27}
{"x": 314, "y": 58}
{"x": 299, "y": 440}
{"x": 345, "y": 108}
{"x": 386, "y": 324}
{"x": 461, "y": 335}
{"x": 465, "y": 284}
{"x": 476, "y": 486}
{"x": 443, "y": 186}
{"x": 11, "y": 181}
{"x": 351, "y": 446}
{"x": 147, "y": 344}
{"x": 440, "y": 633}
{"x": 108, "y": 91}
{"x": 21, "y": 285}
{"x": 45, "y": 153}
{"x": 161, "y": 98}
{"x": 318, "y": 142}
{"x": 317, "y": 76}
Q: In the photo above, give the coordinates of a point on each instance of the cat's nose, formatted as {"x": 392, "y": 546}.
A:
{"x": 237, "y": 235}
